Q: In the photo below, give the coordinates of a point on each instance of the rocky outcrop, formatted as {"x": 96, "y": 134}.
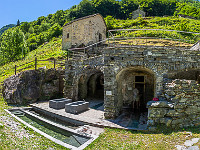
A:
{"x": 181, "y": 108}
{"x": 30, "y": 86}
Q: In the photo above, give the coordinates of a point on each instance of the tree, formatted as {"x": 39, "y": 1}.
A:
{"x": 127, "y": 7}
{"x": 108, "y": 7}
{"x": 25, "y": 27}
{"x": 32, "y": 42}
{"x": 185, "y": 9}
{"x": 13, "y": 43}
{"x": 55, "y": 30}
{"x": 18, "y": 23}
{"x": 85, "y": 8}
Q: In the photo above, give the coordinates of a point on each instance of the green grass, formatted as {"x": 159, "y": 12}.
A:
{"x": 166, "y": 23}
{"x": 49, "y": 51}
{"x": 111, "y": 139}
{"x": 114, "y": 139}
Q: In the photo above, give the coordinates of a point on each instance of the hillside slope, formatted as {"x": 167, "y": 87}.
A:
{"x": 53, "y": 49}
{"x": 4, "y": 28}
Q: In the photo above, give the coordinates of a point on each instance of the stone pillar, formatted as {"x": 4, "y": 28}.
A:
{"x": 69, "y": 79}
{"x": 157, "y": 114}
{"x": 159, "y": 85}
{"x": 109, "y": 92}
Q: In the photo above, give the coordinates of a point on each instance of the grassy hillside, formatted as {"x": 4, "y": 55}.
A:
{"x": 44, "y": 52}
{"x": 169, "y": 23}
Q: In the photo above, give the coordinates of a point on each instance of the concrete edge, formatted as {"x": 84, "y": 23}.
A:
{"x": 89, "y": 123}
{"x": 93, "y": 137}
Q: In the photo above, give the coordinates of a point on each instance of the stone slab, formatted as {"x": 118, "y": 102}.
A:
{"x": 91, "y": 116}
{"x": 76, "y": 107}
{"x": 59, "y": 103}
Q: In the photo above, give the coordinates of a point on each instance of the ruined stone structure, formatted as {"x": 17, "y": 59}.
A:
{"x": 84, "y": 31}
{"x": 138, "y": 13}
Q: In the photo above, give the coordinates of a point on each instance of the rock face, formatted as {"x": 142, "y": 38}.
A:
{"x": 181, "y": 108}
{"x": 30, "y": 86}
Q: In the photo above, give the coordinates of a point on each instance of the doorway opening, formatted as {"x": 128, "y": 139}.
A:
{"x": 135, "y": 89}
{"x": 91, "y": 89}
{"x": 100, "y": 37}
{"x": 95, "y": 87}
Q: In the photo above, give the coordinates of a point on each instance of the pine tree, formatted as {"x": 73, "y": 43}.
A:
{"x": 18, "y": 23}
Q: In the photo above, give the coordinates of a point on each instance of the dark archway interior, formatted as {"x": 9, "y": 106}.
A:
{"x": 95, "y": 87}
{"x": 135, "y": 87}
{"x": 91, "y": 87}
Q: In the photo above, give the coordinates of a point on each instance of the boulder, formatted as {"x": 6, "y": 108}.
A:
{"x": 30, "y": 86}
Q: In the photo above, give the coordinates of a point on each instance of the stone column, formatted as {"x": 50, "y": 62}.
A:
{"x": 69, "y": 79}
{"x": 109, "y": 92}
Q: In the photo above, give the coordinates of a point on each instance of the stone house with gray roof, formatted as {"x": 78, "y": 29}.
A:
{"x": 137, "y": 13}
{"x": 84, "y": 31}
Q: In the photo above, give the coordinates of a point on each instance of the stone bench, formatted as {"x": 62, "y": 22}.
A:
{"x": 76, "y": 107}
{"x": 59, "y": 103}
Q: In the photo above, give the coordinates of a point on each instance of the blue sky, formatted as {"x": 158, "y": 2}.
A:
{"x": 29, "y": 10}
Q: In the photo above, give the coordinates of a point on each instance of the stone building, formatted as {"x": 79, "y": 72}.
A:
{"x": 84, "y": 31}
{"x": 137, "y": 13}
{"x": 118, "y": 70}
{"x": 112, "y": 75}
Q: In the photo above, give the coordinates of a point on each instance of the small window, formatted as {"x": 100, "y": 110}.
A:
{"x": 100, "y": 37}
{"x": 139, "y": 78}
{"x": 67, "y": 35}
{"x": 112, "y": 58}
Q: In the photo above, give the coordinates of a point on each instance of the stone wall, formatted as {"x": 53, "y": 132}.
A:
{"x": 153, "y": 62}
{"x": 78, "y": 74}
{"x": 157, "y": 61}
{"x": 30, "y": 86}
{"x": 180, "y": 108}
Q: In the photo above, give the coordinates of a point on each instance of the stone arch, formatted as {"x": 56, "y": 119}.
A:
{"x": 87, "y": 83}
{"x": 95, "y": 86}
{"x": 132, "y": 77}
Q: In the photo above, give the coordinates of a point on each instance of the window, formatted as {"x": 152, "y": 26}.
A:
{"x": 139, "y": 78}
{"x": 100, "y": 37}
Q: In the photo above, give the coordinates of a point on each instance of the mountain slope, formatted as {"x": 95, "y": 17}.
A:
{"x": 4, "y": 28}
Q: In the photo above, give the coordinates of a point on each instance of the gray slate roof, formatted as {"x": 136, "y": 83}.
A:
{"x": 83, "y": 18}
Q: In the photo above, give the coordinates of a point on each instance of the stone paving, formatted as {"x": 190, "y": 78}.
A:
{"x": 189, "y": 144}
{"x": 93, "y": 117}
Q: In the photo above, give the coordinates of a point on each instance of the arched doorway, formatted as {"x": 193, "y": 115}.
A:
{"x": 95, "y": 86}
{"x": 132, "y": 78}
{"x": 128, "y": 79}
{"x": 91, "y": 89}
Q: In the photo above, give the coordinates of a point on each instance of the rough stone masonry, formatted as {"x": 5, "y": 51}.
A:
{"x": 122, "y": 65}
{"x": 181, "y": 107}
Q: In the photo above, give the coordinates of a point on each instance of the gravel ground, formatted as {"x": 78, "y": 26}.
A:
{"x": 15, "y": 127}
